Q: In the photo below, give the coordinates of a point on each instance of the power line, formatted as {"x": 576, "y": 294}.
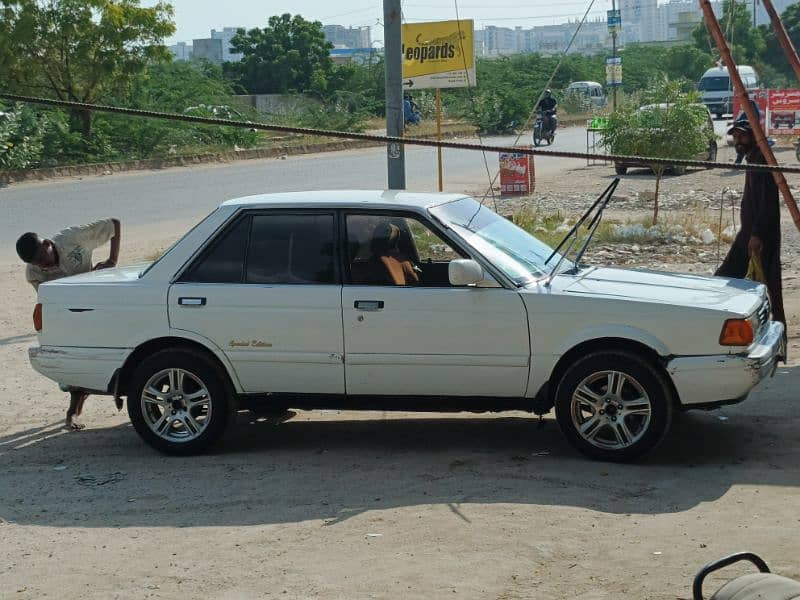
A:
{"x": 383, "y": 139}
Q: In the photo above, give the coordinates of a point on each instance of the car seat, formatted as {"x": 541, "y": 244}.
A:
{"x": 755, "y": 586}
{"x": 397, "y": 266}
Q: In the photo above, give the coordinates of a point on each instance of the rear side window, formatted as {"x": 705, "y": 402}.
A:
{"x": 291, "y": 249}
{"x": 224, "y": 261}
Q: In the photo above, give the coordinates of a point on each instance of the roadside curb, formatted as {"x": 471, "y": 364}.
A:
{"x": 7, "y": 177}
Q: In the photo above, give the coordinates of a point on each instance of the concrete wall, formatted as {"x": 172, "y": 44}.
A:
{"x": 278, "y": 104}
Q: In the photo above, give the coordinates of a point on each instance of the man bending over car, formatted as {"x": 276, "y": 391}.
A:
{"x": 69, "y": 252}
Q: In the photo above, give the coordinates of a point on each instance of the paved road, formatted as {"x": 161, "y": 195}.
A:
{"x": 181, "y": 194}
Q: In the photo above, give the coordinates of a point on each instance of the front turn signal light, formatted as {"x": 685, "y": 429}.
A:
{"x": 737, "y": 332}
{"x": 37, "y": 318}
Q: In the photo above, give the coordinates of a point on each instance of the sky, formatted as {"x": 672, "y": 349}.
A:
{"x": 196, "y": 18}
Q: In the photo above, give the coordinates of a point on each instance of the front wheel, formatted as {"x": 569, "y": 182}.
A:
{"x": 613, "y": 406}
{"x": 179, "y": 401}
{"x": 537, "y": 137}
{"x": 620, "y": 169}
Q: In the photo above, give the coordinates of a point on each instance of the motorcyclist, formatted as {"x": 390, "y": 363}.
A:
{"x": 548, "y": 106}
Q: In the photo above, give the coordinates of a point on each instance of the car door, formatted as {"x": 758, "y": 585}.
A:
{"x": 426, "y": 337}
{"x": 267, "y": 293}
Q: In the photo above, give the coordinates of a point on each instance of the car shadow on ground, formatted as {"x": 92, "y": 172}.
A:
{"x": 316, "y": 467}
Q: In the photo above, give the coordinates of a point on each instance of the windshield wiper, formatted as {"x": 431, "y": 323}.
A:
{"x": 595, "y": 212}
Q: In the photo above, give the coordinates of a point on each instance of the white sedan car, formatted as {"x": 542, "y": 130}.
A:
{"x": 399, "y": 301}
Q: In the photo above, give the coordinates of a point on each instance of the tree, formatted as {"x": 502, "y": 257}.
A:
{"x": 79, "y": 50}
{"x": 673, "y": 125}
{"x": 289, "y": 55}
{"x": 773, "y": 52}
{"x": 745, "y": 41}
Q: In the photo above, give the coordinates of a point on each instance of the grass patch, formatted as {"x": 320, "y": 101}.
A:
{"x": 691, "y": 227}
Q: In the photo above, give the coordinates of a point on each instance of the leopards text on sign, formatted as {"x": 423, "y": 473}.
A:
{"x": 438, "y": 54}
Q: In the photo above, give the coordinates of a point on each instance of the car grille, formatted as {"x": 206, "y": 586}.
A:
{"x": 763, "y": 316}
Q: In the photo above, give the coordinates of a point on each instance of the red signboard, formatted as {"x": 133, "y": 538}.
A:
{"x": 784, "y": 112}
{"x": 516, "y": 174}
{"x": 762, "y": 100}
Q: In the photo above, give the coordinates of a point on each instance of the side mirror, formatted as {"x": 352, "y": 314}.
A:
{"x": 464, "y": 271}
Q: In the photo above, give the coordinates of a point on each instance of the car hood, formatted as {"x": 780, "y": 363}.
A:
{"x": 729, "y": 295}
{"x": 103, "y": 276}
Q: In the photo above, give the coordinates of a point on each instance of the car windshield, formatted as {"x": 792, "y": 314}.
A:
{"x": 519, "y": 255}
{"x": 714, "y": 84}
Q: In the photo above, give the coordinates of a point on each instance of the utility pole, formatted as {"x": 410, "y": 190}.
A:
{"x": 393, "y": 59}
{"x": 614, "y": 55}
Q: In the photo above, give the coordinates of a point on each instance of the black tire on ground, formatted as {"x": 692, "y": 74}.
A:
{"x": 200, "y": 370}
{"x": 679, "y": 170}
{"x": 620, "y": 169}
{"x": 537, "y": 138}
{"x": 591, "y": 373}
{"x": 712, "y": 152}
{"x": 719, "y": 116}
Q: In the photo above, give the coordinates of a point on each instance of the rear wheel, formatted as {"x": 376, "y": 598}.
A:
{"x": 712, "y": 152}
{"x": 179, "y": 401}
{"x": 620, "y": 169}
{"x": 613, "y": 406}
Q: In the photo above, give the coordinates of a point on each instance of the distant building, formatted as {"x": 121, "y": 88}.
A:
{"x": 348, "y": 37}
{"x": 499, "y": 40}
{"x": 359, "y": 56}
{"x": 209, "y": 49}
{"x": 226, "y": 35}
{"x": 181, "y": 51}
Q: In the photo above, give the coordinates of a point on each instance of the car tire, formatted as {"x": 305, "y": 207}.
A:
{"x": 712, "y": 152}
{"x": 613, "y": 425}
{"x": 679, "y": 170}
{"x": 620, "y": 169}
{"x": 179, "y": 401}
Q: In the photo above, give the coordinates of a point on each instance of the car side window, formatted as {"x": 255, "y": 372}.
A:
{"x": 396, "y": 250}
{"x": 224, "y": 260}
{"x": 291, "y": 249}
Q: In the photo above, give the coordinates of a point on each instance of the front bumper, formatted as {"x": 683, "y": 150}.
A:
{"x": 90, "y": 369}
{"x": 703, "y": 381}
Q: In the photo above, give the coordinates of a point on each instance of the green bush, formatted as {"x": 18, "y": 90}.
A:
{"x": 22, "y": 133}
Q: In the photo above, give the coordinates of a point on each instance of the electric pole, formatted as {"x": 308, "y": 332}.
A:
{"x": 393, "y": 59}
{"x": 614, "y": 55}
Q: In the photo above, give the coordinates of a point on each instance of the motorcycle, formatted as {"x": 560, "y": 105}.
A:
{"x": 544, "y": 129}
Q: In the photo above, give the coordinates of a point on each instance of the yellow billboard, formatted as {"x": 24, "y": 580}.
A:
{"x": 439, "y": 54}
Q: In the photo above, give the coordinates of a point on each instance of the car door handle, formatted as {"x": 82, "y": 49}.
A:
{"x": 368, "y": 305}
{"x": 192, "y": 301}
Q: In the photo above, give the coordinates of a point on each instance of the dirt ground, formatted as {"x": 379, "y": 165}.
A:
{"x": 375, "y": 505}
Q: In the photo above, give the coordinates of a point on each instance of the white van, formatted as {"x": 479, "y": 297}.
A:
{"x": 717, "y": 90}
{"x": 591, "y": 89}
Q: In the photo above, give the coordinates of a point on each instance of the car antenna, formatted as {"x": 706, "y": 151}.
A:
{"x": 601, "y": 202}
{"x": 611, "y": 187}
{"x": 595, "y": 223}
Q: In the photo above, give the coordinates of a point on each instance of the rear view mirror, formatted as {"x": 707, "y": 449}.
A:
{"x": 464, "y": 271}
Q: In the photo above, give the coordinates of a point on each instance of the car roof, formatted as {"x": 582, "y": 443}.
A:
{"x": 666, "y": 105}
{"x": 345, "y": 199}
{"x": 584, "y": 84}
{"x": 723, "y": 71}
